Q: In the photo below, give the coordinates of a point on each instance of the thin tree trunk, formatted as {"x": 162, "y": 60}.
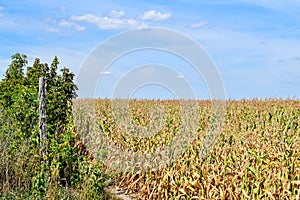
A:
{"x": 7, "y": 158}
{"x": 42, "y": 119}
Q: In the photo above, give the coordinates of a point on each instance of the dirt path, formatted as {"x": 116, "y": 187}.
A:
{"x": 120, "y": 194}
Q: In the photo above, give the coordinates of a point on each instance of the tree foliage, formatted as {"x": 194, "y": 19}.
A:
{"x": 22, "y": 167}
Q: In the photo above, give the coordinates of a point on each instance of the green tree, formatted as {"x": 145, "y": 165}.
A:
{"x": 13, "y": 79}
{"x": 19, "y": 107}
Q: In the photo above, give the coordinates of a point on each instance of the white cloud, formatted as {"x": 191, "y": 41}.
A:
{"x": 51, "y": 20}
{"x": 116, "y": 14}
{"x": 155, "y": 16}
{"x": 62, "y": 9}
{"x": 53, "y": 30}
{"x": 1, "y": 8}
{"x": 79, "y": 28}
{"x": 199, "y": 24}
{"x": 114, "y": 20}
{"x": 180, "y": 76}
{"x": 68, "y": 24}
{"x": 106, "y": 73}
{"x": 142, "y": 25}
{"x": 65, "y": 23}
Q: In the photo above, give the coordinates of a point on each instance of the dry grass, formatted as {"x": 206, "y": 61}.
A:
{"x": 256, "y": 156}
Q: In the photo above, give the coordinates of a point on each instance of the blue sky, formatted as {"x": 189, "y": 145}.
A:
{"x": 255, "y": 44}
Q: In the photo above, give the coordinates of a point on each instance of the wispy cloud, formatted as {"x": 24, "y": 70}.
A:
{"x": 1, "y": 8}
{"x": 155, "y": 15}
{"x": 106, "y": 73}
{"x": 198, "y": 24}
{"x": 51, "y": 20}
{"x": 52, "y": 30}
{"x": 273, "y": 4}
{"x": 116, "y": 14}
{"x": 65, "y": 23}
{"x": 113, "y": 20}
{"x": 68, "y": 24}
{"x": 63, "y": 9}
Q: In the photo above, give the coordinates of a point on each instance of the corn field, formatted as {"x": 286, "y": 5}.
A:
{"x": 255, "y": 156}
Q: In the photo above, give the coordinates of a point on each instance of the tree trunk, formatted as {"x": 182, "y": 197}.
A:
{"x": 42, "y": 119}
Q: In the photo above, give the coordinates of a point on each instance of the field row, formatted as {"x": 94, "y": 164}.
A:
{"x": 256, "y": 154}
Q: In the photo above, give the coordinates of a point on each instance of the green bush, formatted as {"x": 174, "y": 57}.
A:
{"x": 65, "y": 172}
